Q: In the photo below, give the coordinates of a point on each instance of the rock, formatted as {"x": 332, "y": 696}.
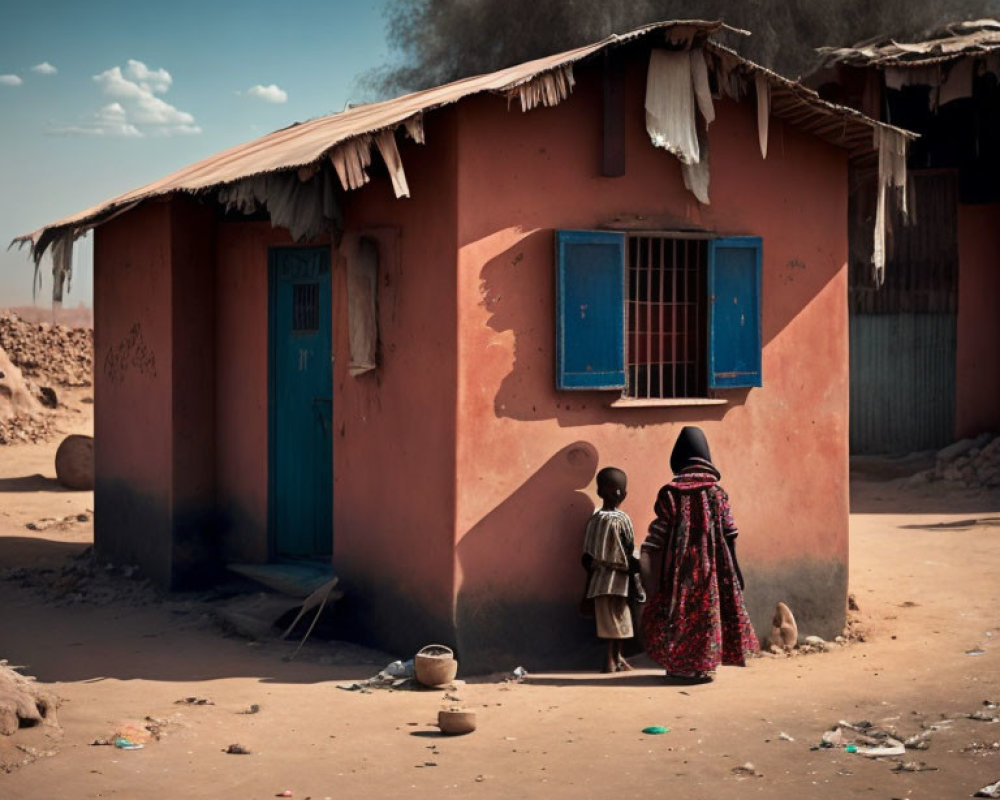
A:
{"x": 75, "y": 462}
{"x": 955, "y": 449}
{"x": 15, "y": 397}
{"x": 22, "y": 703}
{"x": 784, "y": 631}
{"x": 47, "y": 396}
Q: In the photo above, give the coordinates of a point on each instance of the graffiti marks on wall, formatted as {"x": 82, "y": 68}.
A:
{"x": 131, "y": 353}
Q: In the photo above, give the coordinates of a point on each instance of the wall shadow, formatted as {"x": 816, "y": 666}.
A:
{"x": 33, "y": 483}
{"x": 517, "y": 288}
{"x": 521, "y": 578}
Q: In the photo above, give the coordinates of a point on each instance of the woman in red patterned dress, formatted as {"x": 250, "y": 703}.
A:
{"x": 695, "y": 618}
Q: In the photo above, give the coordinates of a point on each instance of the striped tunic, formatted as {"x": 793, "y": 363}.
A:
{"x": 608, "y": 541}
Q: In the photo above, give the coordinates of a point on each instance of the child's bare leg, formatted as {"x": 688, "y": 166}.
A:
{"x": 620, "y": 663}
{"x": 610, "y": 658}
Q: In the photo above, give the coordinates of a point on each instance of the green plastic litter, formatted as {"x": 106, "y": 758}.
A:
{"x": 656, "y": 729}
{"x": 851, "y": 748}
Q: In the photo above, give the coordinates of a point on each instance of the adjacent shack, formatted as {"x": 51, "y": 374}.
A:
{"x": 924, "y": 365}
{"x": 402, "y": 339}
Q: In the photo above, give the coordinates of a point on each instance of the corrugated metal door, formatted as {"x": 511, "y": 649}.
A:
{"x": 301, "y": 440}
{"x": 903, "y": 335}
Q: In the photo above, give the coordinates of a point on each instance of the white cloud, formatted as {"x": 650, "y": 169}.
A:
{"x": 158, "y": 80}
{"x": 139, "y": 111}
{"x": 45, "y": 68}
{"x": 269, "y": 93}
{"x": 10, "y": 80}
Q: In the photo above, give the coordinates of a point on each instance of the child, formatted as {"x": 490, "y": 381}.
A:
{"x": 612, "y": 568}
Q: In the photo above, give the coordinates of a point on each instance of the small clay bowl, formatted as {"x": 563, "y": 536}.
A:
{"x": 455, "y": 722}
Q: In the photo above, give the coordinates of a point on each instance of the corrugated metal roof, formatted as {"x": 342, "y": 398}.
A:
{"x": 953, "y": 41}
{"x": 306, "y": 143}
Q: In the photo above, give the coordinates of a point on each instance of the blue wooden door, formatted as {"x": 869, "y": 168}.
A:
{"x": 301, "y": 404}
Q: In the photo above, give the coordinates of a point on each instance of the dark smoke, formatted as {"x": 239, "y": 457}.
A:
{"x": 441, "y": 40}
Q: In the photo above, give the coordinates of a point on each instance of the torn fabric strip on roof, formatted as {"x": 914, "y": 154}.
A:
{"x": 763, "y": 111}
{"x": 351, "y": 160}
{"x": 415, "y": 127}
{"x": 891, "y": 148}
{"x": 696, "y": 176}
{"x": 670, "y": 105}
{"x": 957, "y": 84}
{"x": 62, "y": 264}
{"x": 306, "y": 208}
{"x": 702, "y": 89}
{"x": 547, "y": 89}
{"x": 386, "y": 142}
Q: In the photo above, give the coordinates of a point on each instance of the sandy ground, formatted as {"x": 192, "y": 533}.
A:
{"x": 928, "y": 593}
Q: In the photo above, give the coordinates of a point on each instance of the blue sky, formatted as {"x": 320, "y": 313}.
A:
{"x": 102, "y": 96}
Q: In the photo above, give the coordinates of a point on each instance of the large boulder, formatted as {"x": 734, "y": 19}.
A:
{"x": 75, "y": 462}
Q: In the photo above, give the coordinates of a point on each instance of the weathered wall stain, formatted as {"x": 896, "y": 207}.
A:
{"x": 130, "y": 353}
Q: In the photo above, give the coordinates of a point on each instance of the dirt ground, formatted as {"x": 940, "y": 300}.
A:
{"x": 924, "y": 571}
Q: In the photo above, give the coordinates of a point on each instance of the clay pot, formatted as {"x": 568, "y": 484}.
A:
{"x": 435, "y": 665}
{"x": 75, "y": 462}
{"x": 454, "y": 722}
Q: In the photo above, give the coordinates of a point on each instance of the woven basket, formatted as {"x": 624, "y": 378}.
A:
{"x": 435, "y": 665}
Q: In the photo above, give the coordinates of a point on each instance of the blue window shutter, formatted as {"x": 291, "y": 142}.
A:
{"x": 590, "y": 310}
{"x": 734, "y": 338}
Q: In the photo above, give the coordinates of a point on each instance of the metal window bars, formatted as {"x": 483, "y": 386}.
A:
{"x": 665, "y": 334}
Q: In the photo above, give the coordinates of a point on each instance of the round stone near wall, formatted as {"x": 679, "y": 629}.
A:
{"x": 75, "y": 462}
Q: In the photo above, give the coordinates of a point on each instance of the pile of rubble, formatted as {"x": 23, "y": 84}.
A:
{"x": 85, "y": 579}
{"x": 34, "y": 358}
{"x": 972, "y": 462}
{"x": 49, "y": 355}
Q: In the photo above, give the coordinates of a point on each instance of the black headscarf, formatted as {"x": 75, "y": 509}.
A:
{"x": 691, "y": 450}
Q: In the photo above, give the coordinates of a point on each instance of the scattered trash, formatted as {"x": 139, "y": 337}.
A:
{"x": 397, "y": 675}
{"x": 253, "y": 708}
{"x": 832, "y": 738}
{"x": 976, "y": 651}
{"x": 656, "y": 729}
{"x": 864, "y": 739}
{"x": 993, "y": 790}
{"x": 400, "y": 669}
{"x": 785, "y": 737}
{"x": 125, "y": 744}
{"x": 286, "y": 793}
{"x": 520, "y": 672}
{"x": 194, "y": 701}
{"x": 913, "y": 766}
{"x": 891, "y": 747}
{"x": 920, "y": 741}
{"x": 747, "y": 770}
{"x": 990, "y": 712}
{"x": 237, "y": 750}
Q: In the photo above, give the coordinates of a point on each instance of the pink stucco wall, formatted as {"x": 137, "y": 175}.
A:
{"x": 153, "y": 390}
{"x": 977, "y": 368}
{"x": 133, "y": 446}
{"x": 527, "y": 453}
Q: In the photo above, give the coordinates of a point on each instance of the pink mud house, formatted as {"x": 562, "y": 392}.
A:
{"x": 401, "y": 340}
